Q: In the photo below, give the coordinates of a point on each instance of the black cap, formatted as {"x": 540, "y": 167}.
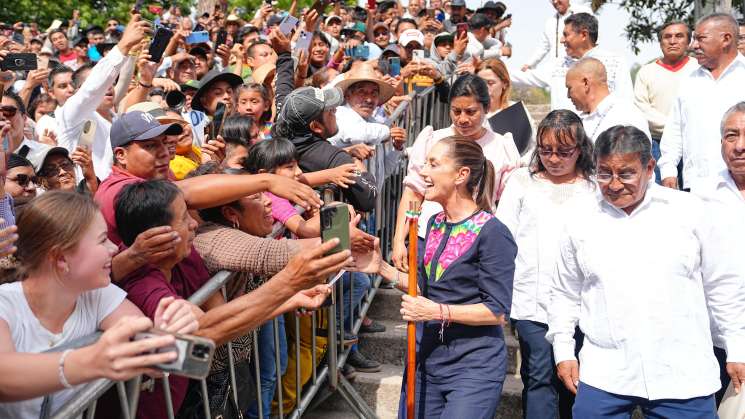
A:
{"x": 305, "y": 104}
{"x": 139, "y": 126}
{"x": 198, "y": 52}
{"x": 480, "y": 20}
{"x": 208, "y": 80}
{"x": 460, "y": 3}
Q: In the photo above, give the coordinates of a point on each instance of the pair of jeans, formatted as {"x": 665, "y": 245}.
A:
{"x": 460, "y": 398}
{"x": 593, "y": 403}
{"x": 268, "y": 367}
{"x": 544, "y": 395}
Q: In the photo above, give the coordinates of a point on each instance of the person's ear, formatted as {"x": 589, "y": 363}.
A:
{"x": 263, "y": 171}
{"x": 650, "y": 167}
{"x": 462, "y": 176}
{"x": 120, "y": 156}
{"x": 316, "y": 127}
{"x": 230, "y": 214}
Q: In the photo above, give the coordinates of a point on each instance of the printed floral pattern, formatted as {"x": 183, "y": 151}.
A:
{"x": 461, "y": 238}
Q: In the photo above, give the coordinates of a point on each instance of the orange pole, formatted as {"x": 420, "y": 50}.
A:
{"x": 411, "y": 326}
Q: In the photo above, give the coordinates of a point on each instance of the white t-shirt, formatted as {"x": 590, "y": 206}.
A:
{"x": 30, "y": 336}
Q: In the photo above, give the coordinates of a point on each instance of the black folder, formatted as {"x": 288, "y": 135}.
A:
{"x": 516, "y": 121}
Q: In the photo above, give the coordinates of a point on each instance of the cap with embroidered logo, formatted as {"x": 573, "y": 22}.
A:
{"x": 139, "y": 126}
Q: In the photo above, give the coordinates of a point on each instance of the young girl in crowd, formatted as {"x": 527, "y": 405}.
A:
{"x": 253, "y": 100}
{"x": 64, "y": 294}
{"x": 532, "y": 208}
{"x": 278, "y": 157}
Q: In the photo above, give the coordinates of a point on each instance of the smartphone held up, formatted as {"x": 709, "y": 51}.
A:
{"x": 194, "y": 354}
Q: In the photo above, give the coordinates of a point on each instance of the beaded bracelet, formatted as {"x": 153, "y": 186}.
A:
{"x": 61, "y": 369}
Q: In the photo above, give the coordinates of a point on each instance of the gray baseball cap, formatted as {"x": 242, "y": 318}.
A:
{"x": 139, "y": 126}
{"x": 305, "y": 104}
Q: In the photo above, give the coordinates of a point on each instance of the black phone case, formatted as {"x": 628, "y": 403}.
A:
{"x": 222, "y": 37}
{"x": 160, "y": 42}
{"x": 19, "y": 62}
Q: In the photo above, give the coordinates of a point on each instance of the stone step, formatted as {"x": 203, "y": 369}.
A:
{"x": 381, "y": 391}
{"x": 387, "y": 306}
{"x": 389, "y": 347}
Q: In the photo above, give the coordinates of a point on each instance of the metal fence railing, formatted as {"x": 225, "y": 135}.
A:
{"x": 317, "y": 359}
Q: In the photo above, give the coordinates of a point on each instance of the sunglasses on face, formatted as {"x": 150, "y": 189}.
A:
{"x": 8, "y": 111}
{"x": 24, "y": 180}
{"x": 53, "y": 169}
{"x": 562, "y": 153}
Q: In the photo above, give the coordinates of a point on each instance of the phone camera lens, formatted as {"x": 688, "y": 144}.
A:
{"x": 200, "y": 351}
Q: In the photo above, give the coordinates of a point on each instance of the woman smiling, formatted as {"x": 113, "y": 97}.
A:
{"x": 469, "y": 104}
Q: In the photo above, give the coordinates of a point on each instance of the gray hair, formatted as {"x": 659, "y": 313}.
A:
{"x": 724, "y": 20}
{"x": 623, "y": 140}
{"x": 737, "y": 108}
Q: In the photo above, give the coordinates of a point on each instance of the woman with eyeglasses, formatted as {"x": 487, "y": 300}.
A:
{"x": 531, "y": 207}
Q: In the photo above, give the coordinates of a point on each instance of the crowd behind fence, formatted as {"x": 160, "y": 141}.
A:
{"x": 424, "y": 108}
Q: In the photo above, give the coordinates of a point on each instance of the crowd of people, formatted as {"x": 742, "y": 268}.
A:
{"x": 608, "y": 242}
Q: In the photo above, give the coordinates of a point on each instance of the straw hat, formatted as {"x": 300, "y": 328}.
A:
{"x": 367, "y": 73}
{"x": 264, "y": 73}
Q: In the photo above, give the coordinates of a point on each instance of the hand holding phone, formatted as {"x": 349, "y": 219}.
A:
{"x": 303, "y": 42}
{"x": 194, "y": 354}
{"x": 335, "y": 224}
{"x": 461, "y": 28}
{"x": 222, "y": 38}
{"x": 394, "y": 66}
{"x": 197, "y": 37}
{"x": 215, "y": 126}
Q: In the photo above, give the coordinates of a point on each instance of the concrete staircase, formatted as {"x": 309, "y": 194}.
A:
{"x": 381, "y": 390}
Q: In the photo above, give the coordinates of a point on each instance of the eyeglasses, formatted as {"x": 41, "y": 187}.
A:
{"x": 564, "y": 154}
{"x": 8, "y": 111}
{"x": 23, "y": 180}
{"x": 53, "y": 170}
{"x": 605, "y": 177}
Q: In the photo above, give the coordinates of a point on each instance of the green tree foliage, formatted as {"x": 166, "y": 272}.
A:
{"x": 647, "y": 16}
{"x": 44, "y": 12}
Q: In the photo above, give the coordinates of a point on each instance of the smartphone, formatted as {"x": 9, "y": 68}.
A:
{"x": 222, "y": 37}
{"x": 335, "y": 223}
{"x": 418, "y": 54}
{"x": 288, "y": 24}
{"x": 318, "y": 6}
{"x": 158, "y": 45}
{"x": 198, "y": 37}
{"x": 19, "y": 61}
{"x": 88, "y": 134}
{"x": 42, "y": 61}
{"x": 18, "y": 38}
{"x": 303, "y": 42}
{"x": 461, "y": 28}
{"x": 372, "y": 5}
{"x": 216, "y": 125}
{"x": 507, "y": 16}
{"x": 394, "y": 66}
{"x": 431, "y": 13}
{"x": 56, "y": 23}
{"x": 194, "y": 354}
{"x": 440, "y": 16}
{"x": 138, "y": 6}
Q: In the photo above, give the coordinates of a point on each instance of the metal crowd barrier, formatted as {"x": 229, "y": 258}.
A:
{"x": 425, "y": 108}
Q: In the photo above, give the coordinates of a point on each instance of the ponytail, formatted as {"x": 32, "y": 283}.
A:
{"x": 485, "y": 192}
{"x": 480, "y": 184}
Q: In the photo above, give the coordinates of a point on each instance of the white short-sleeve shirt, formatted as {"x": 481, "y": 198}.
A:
{"x": 30, "y": 336}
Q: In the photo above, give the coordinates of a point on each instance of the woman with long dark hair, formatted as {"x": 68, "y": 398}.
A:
{"x": 465, "y": 276}
{"x": 532, "y": 208}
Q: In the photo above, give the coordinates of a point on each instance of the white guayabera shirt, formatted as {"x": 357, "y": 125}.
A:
{"x": 639, "y": 286}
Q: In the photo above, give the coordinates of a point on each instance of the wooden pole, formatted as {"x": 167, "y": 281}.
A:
{"x": 413, "y": 218}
